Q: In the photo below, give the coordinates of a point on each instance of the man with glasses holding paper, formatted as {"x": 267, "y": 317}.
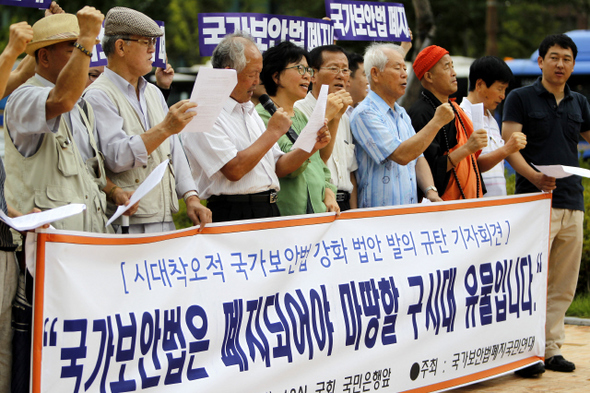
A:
{"x": 330, "y": 64}
{"x": 237, "y": 164}
{"x": 136, "y": 129}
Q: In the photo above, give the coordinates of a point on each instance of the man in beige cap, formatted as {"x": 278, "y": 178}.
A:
{"x": 136, "y": 129}
{"x": 51, "y": 151}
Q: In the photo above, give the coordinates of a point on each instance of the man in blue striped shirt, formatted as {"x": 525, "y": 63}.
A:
{"x": 389, "y": 152}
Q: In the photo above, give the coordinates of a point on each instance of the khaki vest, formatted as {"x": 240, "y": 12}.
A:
{"x": 56, "y": 175}
{"x": 161, "y": 202}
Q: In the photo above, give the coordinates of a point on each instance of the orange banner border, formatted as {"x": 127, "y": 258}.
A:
{"x": 45, "y": 237}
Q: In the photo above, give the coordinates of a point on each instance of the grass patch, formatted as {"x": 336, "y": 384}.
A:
{"x": 181, "y": 220}
{"x": 580, "y": 307}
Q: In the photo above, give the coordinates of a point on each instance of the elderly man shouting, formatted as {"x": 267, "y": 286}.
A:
{"x": 136, "y": 130}
{"x": 389, "y": 151}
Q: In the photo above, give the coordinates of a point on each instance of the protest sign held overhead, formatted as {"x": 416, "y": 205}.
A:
{"x": 368, "y": 21}
{"x": 41, "y": 4}
{"x": 267, "y": 30}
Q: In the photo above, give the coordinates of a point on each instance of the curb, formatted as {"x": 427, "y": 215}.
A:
{"x": 577, "y": 321}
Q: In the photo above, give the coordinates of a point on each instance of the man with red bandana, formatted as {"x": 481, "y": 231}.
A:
{"x": 553, "y": 118}
{"x": 453, "y": 153}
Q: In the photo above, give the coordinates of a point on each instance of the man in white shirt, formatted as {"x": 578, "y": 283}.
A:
{"x": 237, "y": 164}
{"x": 330, "y": 64}
{"x": 488, "y": 79}
{"x": 136, "y": 129}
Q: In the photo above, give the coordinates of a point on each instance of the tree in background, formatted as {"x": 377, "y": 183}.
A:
{"x": 457, "y": 25}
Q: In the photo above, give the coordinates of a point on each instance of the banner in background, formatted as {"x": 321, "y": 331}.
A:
{"x": 41, "y": 4}
{"x": 412, "y": 298}
{"x": 368, "y": 20}
{"x": 267, "y": 30}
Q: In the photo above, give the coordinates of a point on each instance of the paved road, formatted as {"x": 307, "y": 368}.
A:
{"x": 576, "y": 349}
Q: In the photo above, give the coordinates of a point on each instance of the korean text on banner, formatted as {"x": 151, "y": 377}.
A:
{"x": 421, "y": 297}
{"x": 368, "y": 20}
{"x": 267, "y": 30}
{"x": 41, "y": 4}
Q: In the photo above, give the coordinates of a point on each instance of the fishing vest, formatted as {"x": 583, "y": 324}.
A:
{"x": 161, "y": 202}
{"x": 57, "y": 175}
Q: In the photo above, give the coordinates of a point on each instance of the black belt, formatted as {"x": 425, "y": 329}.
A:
{"x": 261, "y": 197}
{"x": 342, "y": 196}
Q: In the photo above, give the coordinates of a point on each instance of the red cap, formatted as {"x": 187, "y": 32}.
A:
{"x": 427, "y": 58}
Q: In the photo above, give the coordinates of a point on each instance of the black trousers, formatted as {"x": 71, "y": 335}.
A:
{"x": 224, "y": 210}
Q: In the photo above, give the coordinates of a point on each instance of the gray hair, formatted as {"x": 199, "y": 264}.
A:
{"x": 108, "y": 43}
{"x": 376, "y": 57}
{"x": 230, "y": 52}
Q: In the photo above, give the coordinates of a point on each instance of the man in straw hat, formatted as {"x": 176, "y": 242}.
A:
{"x": 389, "y": 152}
{"x": 51, "y": 149}
{"x": 136, "y": 129}
{"x": 453, "y": 153}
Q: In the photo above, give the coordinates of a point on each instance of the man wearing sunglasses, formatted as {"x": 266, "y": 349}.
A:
{"x": 330, "y": 66}
{"x": 136, "y": 129}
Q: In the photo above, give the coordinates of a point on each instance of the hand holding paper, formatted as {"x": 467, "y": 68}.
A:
{"x": 148, "y": 184}
{"x": 210, "y": 92}
{"x": 477, "y": 114}
{"x": 561, "y": 171}
{"x": 308, "y": 137}
{"x": 36, "y": 220}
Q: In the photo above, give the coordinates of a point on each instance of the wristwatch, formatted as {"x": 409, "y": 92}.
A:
{"x": 433, "y": 188}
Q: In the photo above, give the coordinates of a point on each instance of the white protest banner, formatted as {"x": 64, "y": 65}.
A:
{"x": 412, "y": 298}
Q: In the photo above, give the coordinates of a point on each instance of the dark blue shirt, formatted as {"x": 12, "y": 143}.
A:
{"x": 552, "y": 133}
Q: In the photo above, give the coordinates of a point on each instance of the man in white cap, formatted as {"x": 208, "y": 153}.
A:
{"x": 136, "y": 129}
{"x": 52, "y": 153}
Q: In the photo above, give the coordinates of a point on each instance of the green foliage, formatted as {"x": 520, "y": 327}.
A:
{"x": 584, "y": 277}
{"x": 180, "y": 219}
{"x": 580, "y": 307}
{"x": 518, "y": 36}
{"x": 182, "y": 31}
{"x": 510, "y": 182}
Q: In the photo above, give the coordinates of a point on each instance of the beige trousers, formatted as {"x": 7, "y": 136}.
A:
{"x": 8, "y": 283}
{"x": 564, "y": 266}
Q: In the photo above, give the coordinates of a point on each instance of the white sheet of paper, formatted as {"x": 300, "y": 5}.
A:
{"x": 477, "y": 115}
{"x": 308, "y": 136}
{"x": 577, "y": 171}
{"x": 561, "y": 171}
{"x": 210, "y": 91}
{"x": 35, "y": 220}
{"x": 148, "y": 184}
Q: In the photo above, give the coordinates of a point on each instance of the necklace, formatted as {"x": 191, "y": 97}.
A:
{"x": 444, "y": 129}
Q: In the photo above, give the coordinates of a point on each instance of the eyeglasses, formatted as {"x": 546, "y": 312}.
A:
{"x": 302, "y": 69}
{"x": 149, "y": 42}
{"x": 335, "y": 70}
